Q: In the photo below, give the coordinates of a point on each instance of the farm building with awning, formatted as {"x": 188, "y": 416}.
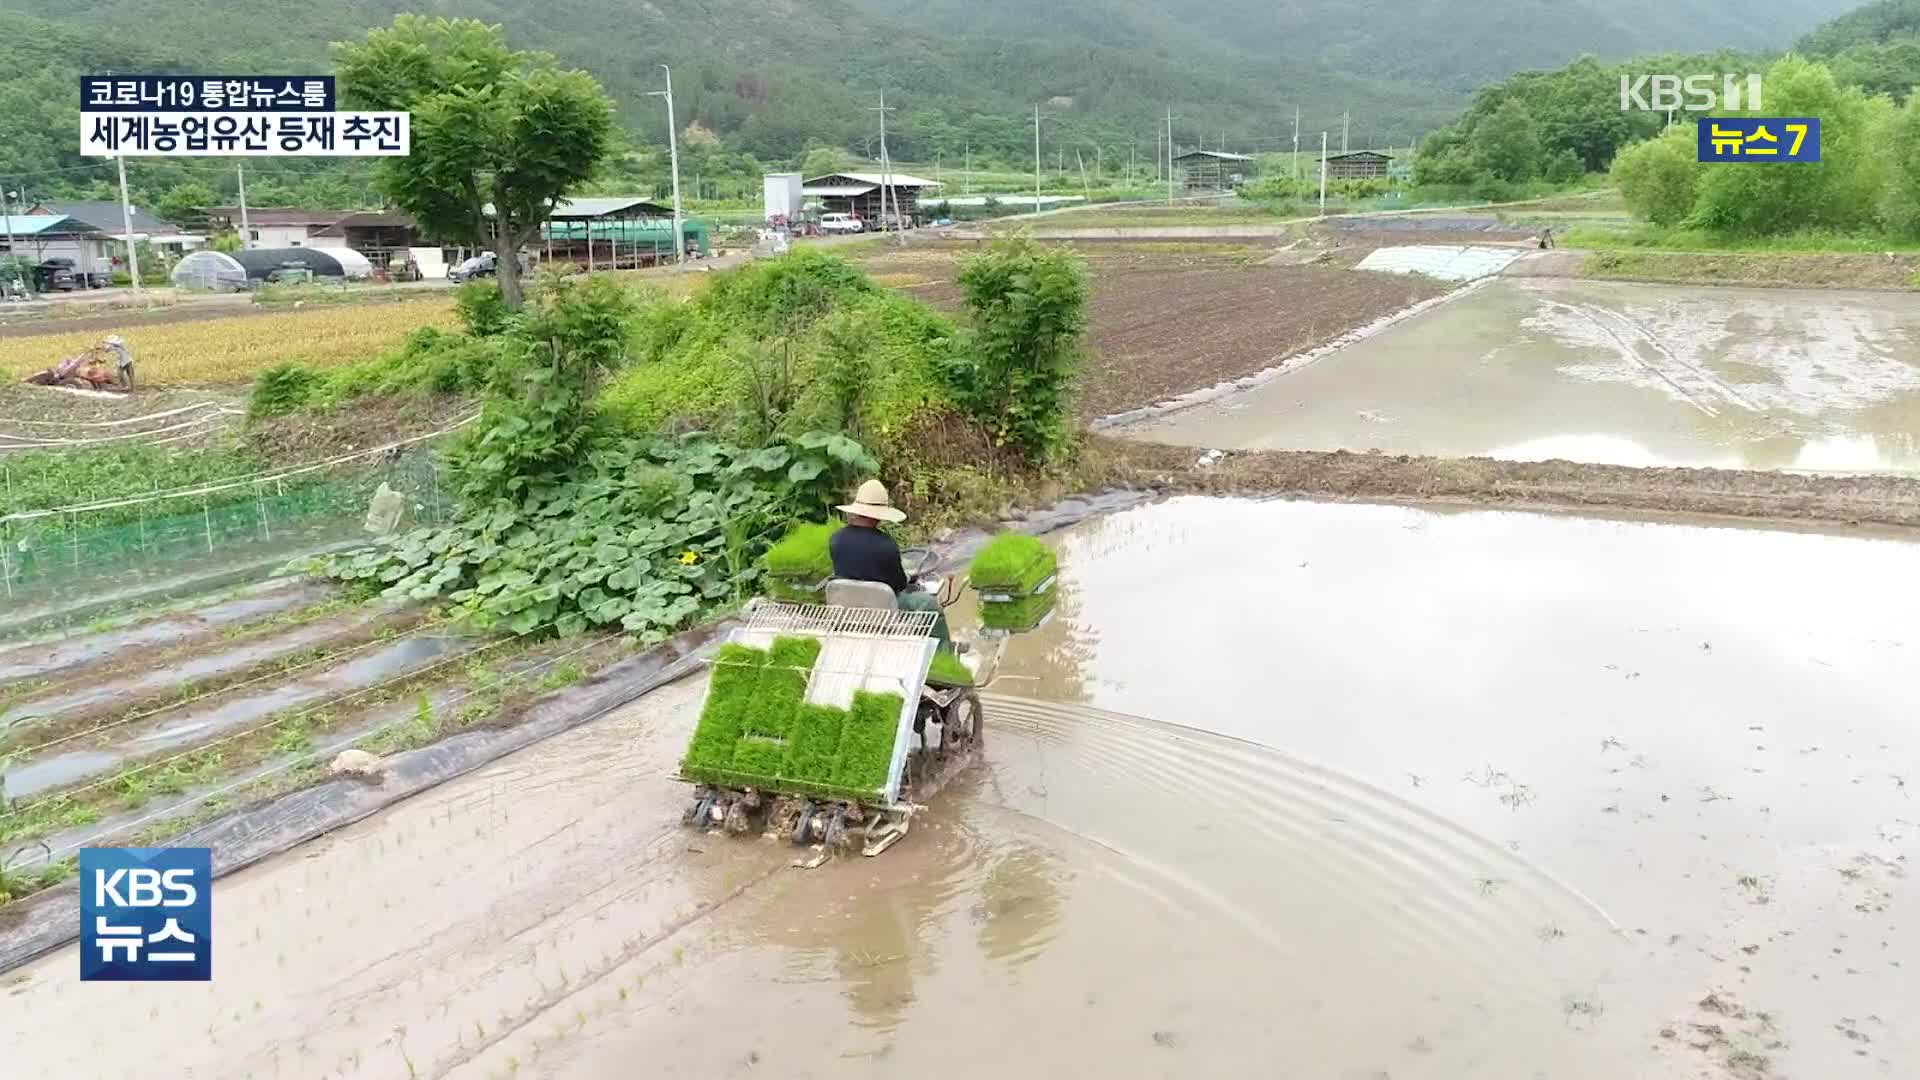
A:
{"x": 613, "y": 232}
{"x": 860, "y": 193}
{"x": 1213, "y": 170}
{"x": 378, "y": 234}
{"x": 1358, "y": 165}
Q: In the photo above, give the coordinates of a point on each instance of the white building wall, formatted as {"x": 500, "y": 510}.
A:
{"x": 278, "y": 236}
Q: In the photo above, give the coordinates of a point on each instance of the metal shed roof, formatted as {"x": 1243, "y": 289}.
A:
{"x": 103, "y": 215}
{"x": 838, "y": 190}
{"x": 38, "y": 224}
{"x": 606, "y": 207}
{"x": 873, "y": 180}
{"x": 1216, "y": 155}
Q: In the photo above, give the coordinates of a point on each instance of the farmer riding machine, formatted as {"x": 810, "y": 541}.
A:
{"x": 832, "y": 714}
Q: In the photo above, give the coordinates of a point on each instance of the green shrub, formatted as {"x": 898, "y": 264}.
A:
{"x": 1012, "y": 563}
{"x": 947, "y": 670}
{"x": 869, "y": 368}
{"x": 1015, "y": 375}
{"x": 281, "y": 389}
{"x": 481, "y": 308}
{"x": 642, "y": 534}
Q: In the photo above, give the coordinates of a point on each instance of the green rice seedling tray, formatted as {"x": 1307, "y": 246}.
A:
{"x": 813, "y": 701}
{"x": 799, "y": 563}
{"x": 1018, "y": 614}
{"x": 1013, "y": 564}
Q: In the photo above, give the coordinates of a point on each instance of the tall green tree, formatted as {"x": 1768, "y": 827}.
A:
{"x": 1660, "y": 178}
{"x": 499, "y": 135}
{"x": 1841, "y": 192}
{"x": 184, "y": 204}
{"x": 1900, "y": 203}
{"x": 1507, "y": 144}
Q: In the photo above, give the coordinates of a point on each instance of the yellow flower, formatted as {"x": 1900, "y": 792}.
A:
{"x": 688, "y": 558}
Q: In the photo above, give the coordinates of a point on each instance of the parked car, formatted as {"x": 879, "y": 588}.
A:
{"x": 94, "y": 279}
{"x": 841, "y": 223}
{"x": 477, "y": 266}
{"x": 51, "y": 276}
{"x": 485, "y": 264}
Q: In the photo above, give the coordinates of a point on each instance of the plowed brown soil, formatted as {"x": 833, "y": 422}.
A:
{"x": 1157, "y": 335}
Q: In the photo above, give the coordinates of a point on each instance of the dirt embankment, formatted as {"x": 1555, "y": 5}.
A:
{"x": 1884, "y": 271}
{"x": 1768, "y": 496}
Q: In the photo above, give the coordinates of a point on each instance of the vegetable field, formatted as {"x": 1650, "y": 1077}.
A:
{"x": 234, "y": 349}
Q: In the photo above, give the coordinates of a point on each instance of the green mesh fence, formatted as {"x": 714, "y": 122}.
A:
{"x": 77, "y": 557}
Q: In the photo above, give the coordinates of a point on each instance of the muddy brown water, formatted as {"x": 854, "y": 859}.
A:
{"x": 1452, "y": 794}
{"x": 1604, "y": 372}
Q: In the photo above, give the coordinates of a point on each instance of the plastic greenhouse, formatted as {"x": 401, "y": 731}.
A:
{"x": 223, "y": 271}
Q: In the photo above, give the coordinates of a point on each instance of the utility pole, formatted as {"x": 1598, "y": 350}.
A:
{"x": 13, "y": 253}
{"x": 1323, "y": 174}
{"x": 1169, "y": 155}
{"x": 886, "y": 174}
{"x": 246, "y": 229}
{"x": 1060, "y": 162}
{"x": 673, "y": 155}
{"x": 126, "y": 224}
{"x": 1036, "y": 159}
{"x": 1345, "y": 122}
{"x": 966, "y": 175}
{"x": 1296, "y": 143}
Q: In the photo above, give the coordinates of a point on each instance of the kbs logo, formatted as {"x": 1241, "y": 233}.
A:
{"x": 146, "y": 914}
{"x": 1691, "y": 93}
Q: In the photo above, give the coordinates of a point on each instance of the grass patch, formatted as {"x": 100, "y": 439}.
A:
{"x": 756, "y": 729}
{"x": 1012, "y": 563}
{"x": 801, "y": 343}
{"x": 799, "y": 562}
{"x": 1660, "y": 238}
{"x": 430, "y": 360}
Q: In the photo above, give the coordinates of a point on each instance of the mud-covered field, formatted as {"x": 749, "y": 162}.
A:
{"x": 1439, "y": 794}
{"x": 1606, "y": 373}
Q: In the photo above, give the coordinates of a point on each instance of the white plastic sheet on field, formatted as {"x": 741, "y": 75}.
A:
{"x": 1448, "y": 263}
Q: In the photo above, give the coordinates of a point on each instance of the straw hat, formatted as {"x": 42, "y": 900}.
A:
{"x": 872, "y": 501}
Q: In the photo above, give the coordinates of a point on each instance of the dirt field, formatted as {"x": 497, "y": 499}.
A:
{"x": 1169, "y": 318}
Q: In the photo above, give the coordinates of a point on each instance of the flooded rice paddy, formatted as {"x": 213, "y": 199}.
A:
{"x": 1610, "y": 373}
{"x": 1424, "y": 795}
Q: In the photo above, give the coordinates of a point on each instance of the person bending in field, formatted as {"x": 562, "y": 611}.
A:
{"x": 861, "y": 552}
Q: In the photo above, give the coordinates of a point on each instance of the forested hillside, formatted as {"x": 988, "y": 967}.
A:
{"x": 1876, "y": 47}
{"x": 774, "y": 76}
